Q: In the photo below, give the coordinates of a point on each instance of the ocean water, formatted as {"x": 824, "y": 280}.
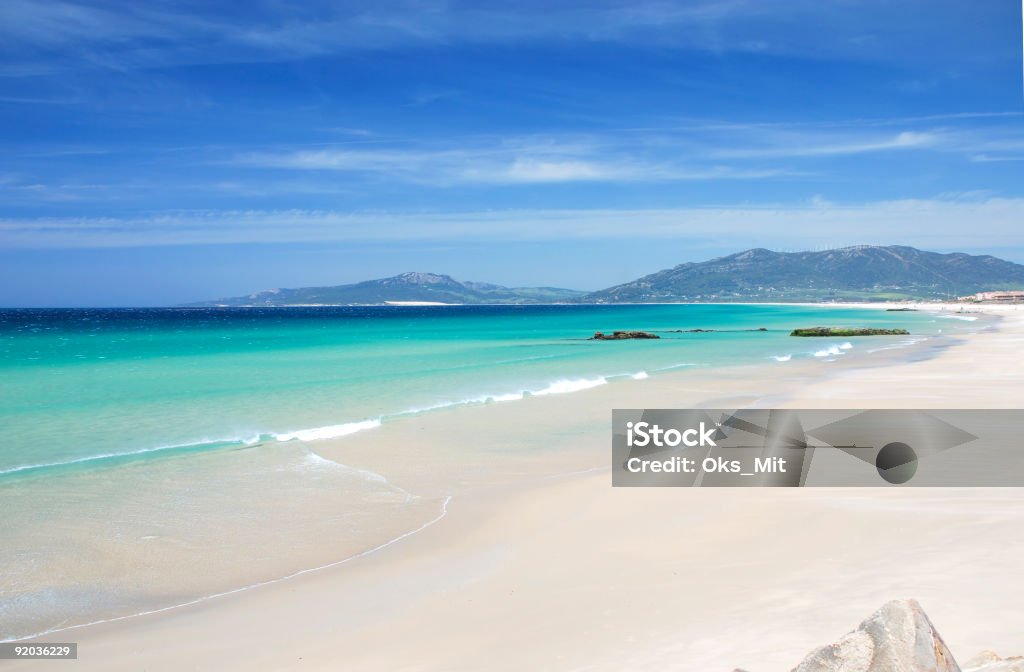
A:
{"x": 155, "y": 457}
{"x": 84, "y": 387}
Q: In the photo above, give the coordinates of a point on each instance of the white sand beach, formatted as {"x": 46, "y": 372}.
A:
{"x": 541, "y": 565}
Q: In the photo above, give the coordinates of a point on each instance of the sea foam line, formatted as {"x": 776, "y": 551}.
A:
{"x": 233, "y": 441}
{"x": 681, "y": 365}
{"x": 910, "y": 342}
{"x": 328, "y": 432}
{"x": 561, "y": 386}
{"x": 570, "y": 385}
{"x": 362, "y": 554}
{"x": 316, "y": 461}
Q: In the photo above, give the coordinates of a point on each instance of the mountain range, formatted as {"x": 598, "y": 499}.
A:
{"x": 407, "y": 287}
{"x": 862, "y": 272}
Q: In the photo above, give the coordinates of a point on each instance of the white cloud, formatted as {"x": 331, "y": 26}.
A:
{"x": 929, "y": 223}
{"x": 540, "y": 170}
{"x": 811, "y": 146}
{"x": 704, "y": 151}
{"x": 515, "y": 161}
{"x": 988, "y": 158}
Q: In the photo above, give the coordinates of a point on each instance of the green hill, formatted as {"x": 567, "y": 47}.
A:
{"x": 863, "y": 272}
{"x": 401, "y": 288}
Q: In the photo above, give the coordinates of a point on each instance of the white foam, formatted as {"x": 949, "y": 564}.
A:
{"x": 511, "y": 396}
{"x": 783, "y": 358}
{"x": 132, "y": 453}
{"x": 902, "y": 344}
{"x": 570, "y": 385}
{"x": 312, "y": 460}
{"x": 676, "y": 366}
{"x": 328, "y": 432}
{"x": 640, "y": 375}
{"x": 846, "y": 346}
{"x": 563, "y": 386}
{"x": 965, "y": 318}
{"x": 831, "y": 351}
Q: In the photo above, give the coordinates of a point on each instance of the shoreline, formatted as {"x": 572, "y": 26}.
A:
{"x": 356, "y": 423}
{"x": 365, "y": 451}
{"x": 419, "y": 304}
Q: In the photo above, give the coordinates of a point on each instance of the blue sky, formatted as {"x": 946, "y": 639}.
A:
{"x": 168, "y": 151}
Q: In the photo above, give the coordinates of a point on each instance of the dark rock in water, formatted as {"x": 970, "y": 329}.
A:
{"x": 622, "y": 335}
{"x": 846, "y": 331}
{"x": 898, "y": 636}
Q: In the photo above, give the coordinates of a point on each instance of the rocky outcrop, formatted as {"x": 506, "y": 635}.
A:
{"x": 845, "y": 331}
{"x": 622, "y": 335}
{"x": 896, "y": 638}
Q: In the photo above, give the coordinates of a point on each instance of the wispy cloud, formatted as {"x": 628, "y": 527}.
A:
{"x": 54, "y": 23}
{"x": 792, "y": 145}
{"x": 513, "y": 161}
{"x": 43, "y": 35}
{"x": 937, "y": 223}
{"x": 14, "y": 190}
{"x": 120, "y": 34}
{"x": 968, "y": 134}
{"x": 793, "y": 155}
{"x": 699, "y": 151}
{"x": 317, "y": 27}
{"x": 988, "y": 158}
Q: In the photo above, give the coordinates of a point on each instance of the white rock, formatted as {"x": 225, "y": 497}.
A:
{"x": 896, "y": 638}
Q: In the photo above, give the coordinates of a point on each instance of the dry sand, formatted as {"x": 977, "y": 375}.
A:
{"x": 542, "y": 565}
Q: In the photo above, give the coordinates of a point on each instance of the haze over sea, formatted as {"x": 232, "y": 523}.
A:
{"x": 175, "y": 440}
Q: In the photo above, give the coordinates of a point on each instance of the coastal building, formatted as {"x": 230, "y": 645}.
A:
{"x": 1006, "y": 296}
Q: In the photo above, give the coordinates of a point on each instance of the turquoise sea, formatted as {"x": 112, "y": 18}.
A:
{"x": 93, "y": 388}
{"x": 158, "y": 457}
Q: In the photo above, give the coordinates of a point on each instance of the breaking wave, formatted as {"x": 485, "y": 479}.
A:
{"x": 328, "y": 432}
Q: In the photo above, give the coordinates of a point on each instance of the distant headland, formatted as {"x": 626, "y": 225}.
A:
{"x": 858, "y": 273}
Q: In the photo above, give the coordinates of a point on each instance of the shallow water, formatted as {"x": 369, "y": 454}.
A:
{"x": 82, "y": 385}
